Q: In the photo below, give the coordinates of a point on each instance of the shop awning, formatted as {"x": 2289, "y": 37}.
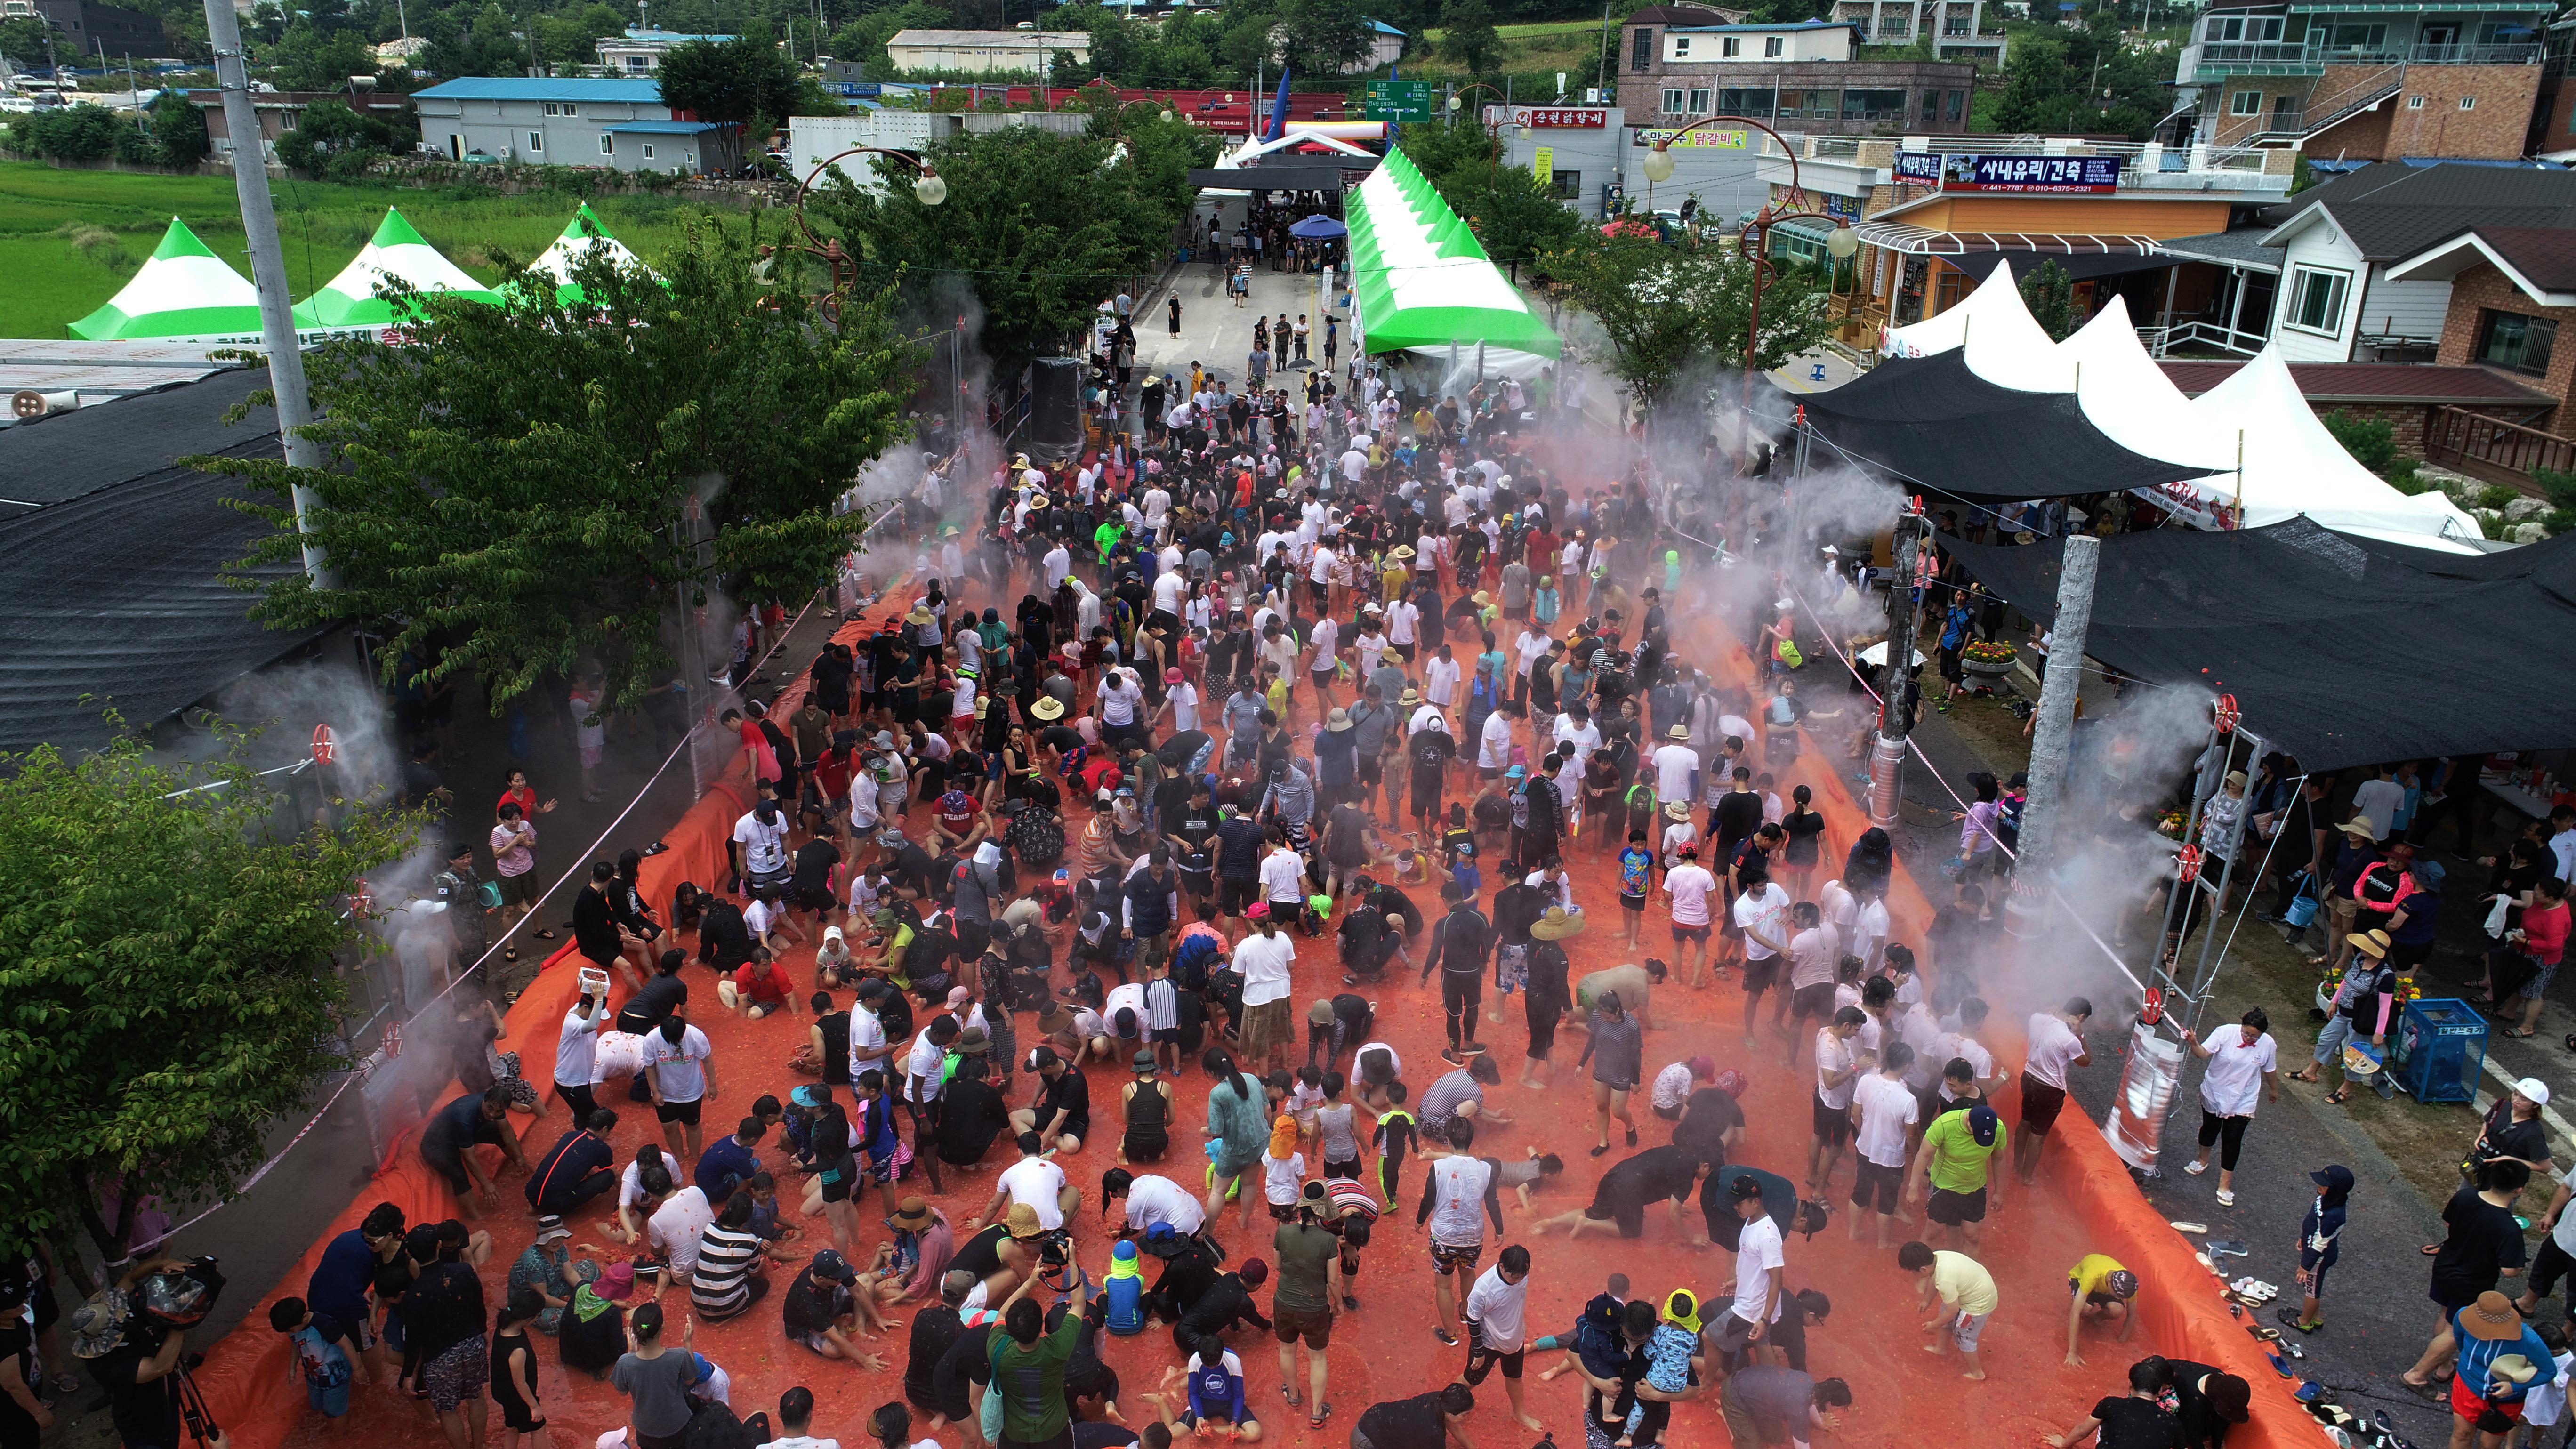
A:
{"x": 2079, "y": 266}
{"x": 1901, "y": 236}
{"x": 1419, "y": 277}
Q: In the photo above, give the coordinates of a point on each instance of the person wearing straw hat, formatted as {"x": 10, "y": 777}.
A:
{"x": 2364, "y": 1004}
{"x": 2495, "y": 1365}
{"x": 2356, "y": 851}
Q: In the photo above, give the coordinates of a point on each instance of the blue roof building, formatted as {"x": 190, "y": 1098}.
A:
{"x": 620, "y": 124}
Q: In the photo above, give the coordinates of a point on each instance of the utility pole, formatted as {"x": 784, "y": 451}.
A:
{"x": 1887, "y": 753}
{"x": 1601, "y": 66}
{"x": 268, "y": 272}
{"x": 2051, "y": 734}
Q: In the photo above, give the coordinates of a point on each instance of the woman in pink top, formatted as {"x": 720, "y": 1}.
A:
{"x": 2543, "y": 937}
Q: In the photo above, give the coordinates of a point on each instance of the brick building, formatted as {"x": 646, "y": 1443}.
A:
{"x": 1679, "y": 63}
{"x": 2513, "y": 291}
{"x": 2361, "y": 80}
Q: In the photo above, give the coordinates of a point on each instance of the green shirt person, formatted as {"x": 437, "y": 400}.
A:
{"x": 1107, "y": 537}
{"x": 1953, "y": 1160}
{"x": 1028, "y": 1366}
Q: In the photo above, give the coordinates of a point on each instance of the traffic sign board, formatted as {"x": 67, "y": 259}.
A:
{"x": 1396, "y": 100}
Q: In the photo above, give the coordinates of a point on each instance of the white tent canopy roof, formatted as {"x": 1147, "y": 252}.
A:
{"x": 2292, "y": 465}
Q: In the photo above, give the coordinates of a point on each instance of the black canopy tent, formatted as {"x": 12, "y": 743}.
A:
{"x": 1932, "y": 422}
{"x": 1317, "y": 173}
{"x": 2340, "y": 650}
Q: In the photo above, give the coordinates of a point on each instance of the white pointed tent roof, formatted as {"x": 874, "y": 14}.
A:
{"x": 2130, "y": 399}
{"x": 582, "y": 236}
{"x": 2005, "y": 345}
{"x": 398, "y": 255}
{"x": 184, "y": 293}
{"x": 2294, "y": 466}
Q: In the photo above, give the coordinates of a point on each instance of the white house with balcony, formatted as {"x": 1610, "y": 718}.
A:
{"x": 1956, "y": 28}
{"x": 640, "y": 50}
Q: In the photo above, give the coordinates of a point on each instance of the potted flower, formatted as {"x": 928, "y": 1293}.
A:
{"x": 1987, "y": 662}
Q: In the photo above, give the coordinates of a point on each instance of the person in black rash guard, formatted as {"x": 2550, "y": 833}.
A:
{"x": 645, "y": 1011}
{"x": 2207, "y": 1401}
{"x": 724, "y": 942}
{"x": 1189, "y": 1270}
{"x": 965, "y": 1361}
{"x": 1625, "y": 1191}
{"x": 580, "y": 1166}
{"x": 935, "y": 1330}
{"x": 1425, "y": 1421}
{"x": 1787, "y": 1334}
{"x": 1225, "y": 1302}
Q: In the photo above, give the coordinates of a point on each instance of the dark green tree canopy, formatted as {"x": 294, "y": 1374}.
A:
{"x": 508, "y": 479}
{"x": 1665, "y": 310}
{"x": 1040, "y": 227}
{"x": 168, "y": 988}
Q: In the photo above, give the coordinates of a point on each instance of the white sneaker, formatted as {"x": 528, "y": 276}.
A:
{"x": 2195, "y": 1168}
{"x": 2226, "y": 1197}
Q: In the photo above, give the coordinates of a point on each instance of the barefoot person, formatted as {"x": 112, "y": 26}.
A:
{"x": 2056, "y": 1043}
{"x": 1965, "y": 1292}
{"x": 1495, "y": 1312}
{"x": 2099, "y": 1288}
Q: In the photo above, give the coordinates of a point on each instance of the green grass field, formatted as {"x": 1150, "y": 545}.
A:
{"x": 1541, "y": 46}
{"x": 69, "y": 239}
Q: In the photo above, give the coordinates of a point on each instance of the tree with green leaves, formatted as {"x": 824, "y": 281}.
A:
{"x": 1467, "y": 35}
{"x": 84, "y": 132}
{"x": 171, "y": 988}
{"x": 746, "y": 79}
{"x": 1515, "y": 216}
{"x": 502, "y": 485}
{"x": 1664, "y": 309}
{"x": 1041, "y": 226}
{"x": 2050, "y": 295}
{"x": 2086, "y": 79}
{"x": 335, "y": 141}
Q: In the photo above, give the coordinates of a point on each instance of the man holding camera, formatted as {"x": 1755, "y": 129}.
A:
{"x": 142, "y": 1360}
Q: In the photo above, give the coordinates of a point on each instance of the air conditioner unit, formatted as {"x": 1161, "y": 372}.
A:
{"x": 507, "y": 153}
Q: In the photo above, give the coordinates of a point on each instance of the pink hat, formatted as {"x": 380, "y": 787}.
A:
{"x": 616, "y": 1282}
{"x": 958, "y": 996}
{"x": 1172, "y": 675}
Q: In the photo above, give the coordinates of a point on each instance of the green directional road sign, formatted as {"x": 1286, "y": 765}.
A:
{"x": 1399, "y": 101}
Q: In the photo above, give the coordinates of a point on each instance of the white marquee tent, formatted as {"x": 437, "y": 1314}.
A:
{"x": 2268, "y": 456}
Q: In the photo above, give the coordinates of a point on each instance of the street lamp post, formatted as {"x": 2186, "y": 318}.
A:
{"x": 1755, "y": 242}
{"x": 927, "y": 188}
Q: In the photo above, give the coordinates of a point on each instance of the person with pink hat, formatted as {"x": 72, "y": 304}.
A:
{"x": 1674, "y": 1084}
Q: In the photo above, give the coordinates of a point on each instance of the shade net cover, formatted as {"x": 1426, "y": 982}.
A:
{"x": 2301, "y": 624}
{"x": 1933, "y": 422}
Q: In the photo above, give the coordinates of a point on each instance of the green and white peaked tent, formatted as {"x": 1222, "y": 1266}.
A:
{"x": 397, "y": 255}
{"x": 585, "y": 235}
{"x": 1419, "y": 278}
{"x": 185, "y": 293}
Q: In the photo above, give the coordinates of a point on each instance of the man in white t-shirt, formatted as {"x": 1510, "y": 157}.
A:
{"x": 1676, "y": 765}
{"x": 758, "y": 849}
{"x": 1692, "y": 889}
{"x": 2243, "y": 1064}
{"x": 1120, "y": 705}
{"x": 1762, "y": 914}
{"x": 1401, "y": 618}
{"x": 1837, "y": 1072}
{"x": 576, "y": 1053}
{"x": 1759, "y": 1261}
{"x": 1883, "y": 1107}
{"x": 1440, "y": 675}
{"x": 1034, "y": 1182}
{"x": 1494, "y": 743}
{"x": 2056, "y": 1043}
{"x": 1815, "y": 959}
{"x": 677, "y": 1225}
{"x": 1151, "y": 1200}
{"x": 680, "y": 1067}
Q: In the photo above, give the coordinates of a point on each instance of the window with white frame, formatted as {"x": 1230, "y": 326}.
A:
{"x": 2414, "y": 103}
{"x": 607, "y": 144}
{"x": 1673, "y": 101}
{"x": 1771, "y": 47}
{"x": 536, "y": 140}
{"x": 2245, "y": 103}
{"x": 648, "y": 150}
{"x": 570, "y": 109}
{"x": 2316, "y": 300}
{"x": 1681, "y": 47}
{"x": 1731, "y": 47}
{"x": 1698, "y": 101}
{"x": 2468, "y": 103}
{"x": 550, "y": 108}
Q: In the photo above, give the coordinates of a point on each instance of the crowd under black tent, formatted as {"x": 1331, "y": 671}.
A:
{"x": 2342, "y": 651}
{"x": 1931, "y": 422}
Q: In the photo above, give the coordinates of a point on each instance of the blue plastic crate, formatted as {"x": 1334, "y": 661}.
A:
{"x": 2442, "y": 1045}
